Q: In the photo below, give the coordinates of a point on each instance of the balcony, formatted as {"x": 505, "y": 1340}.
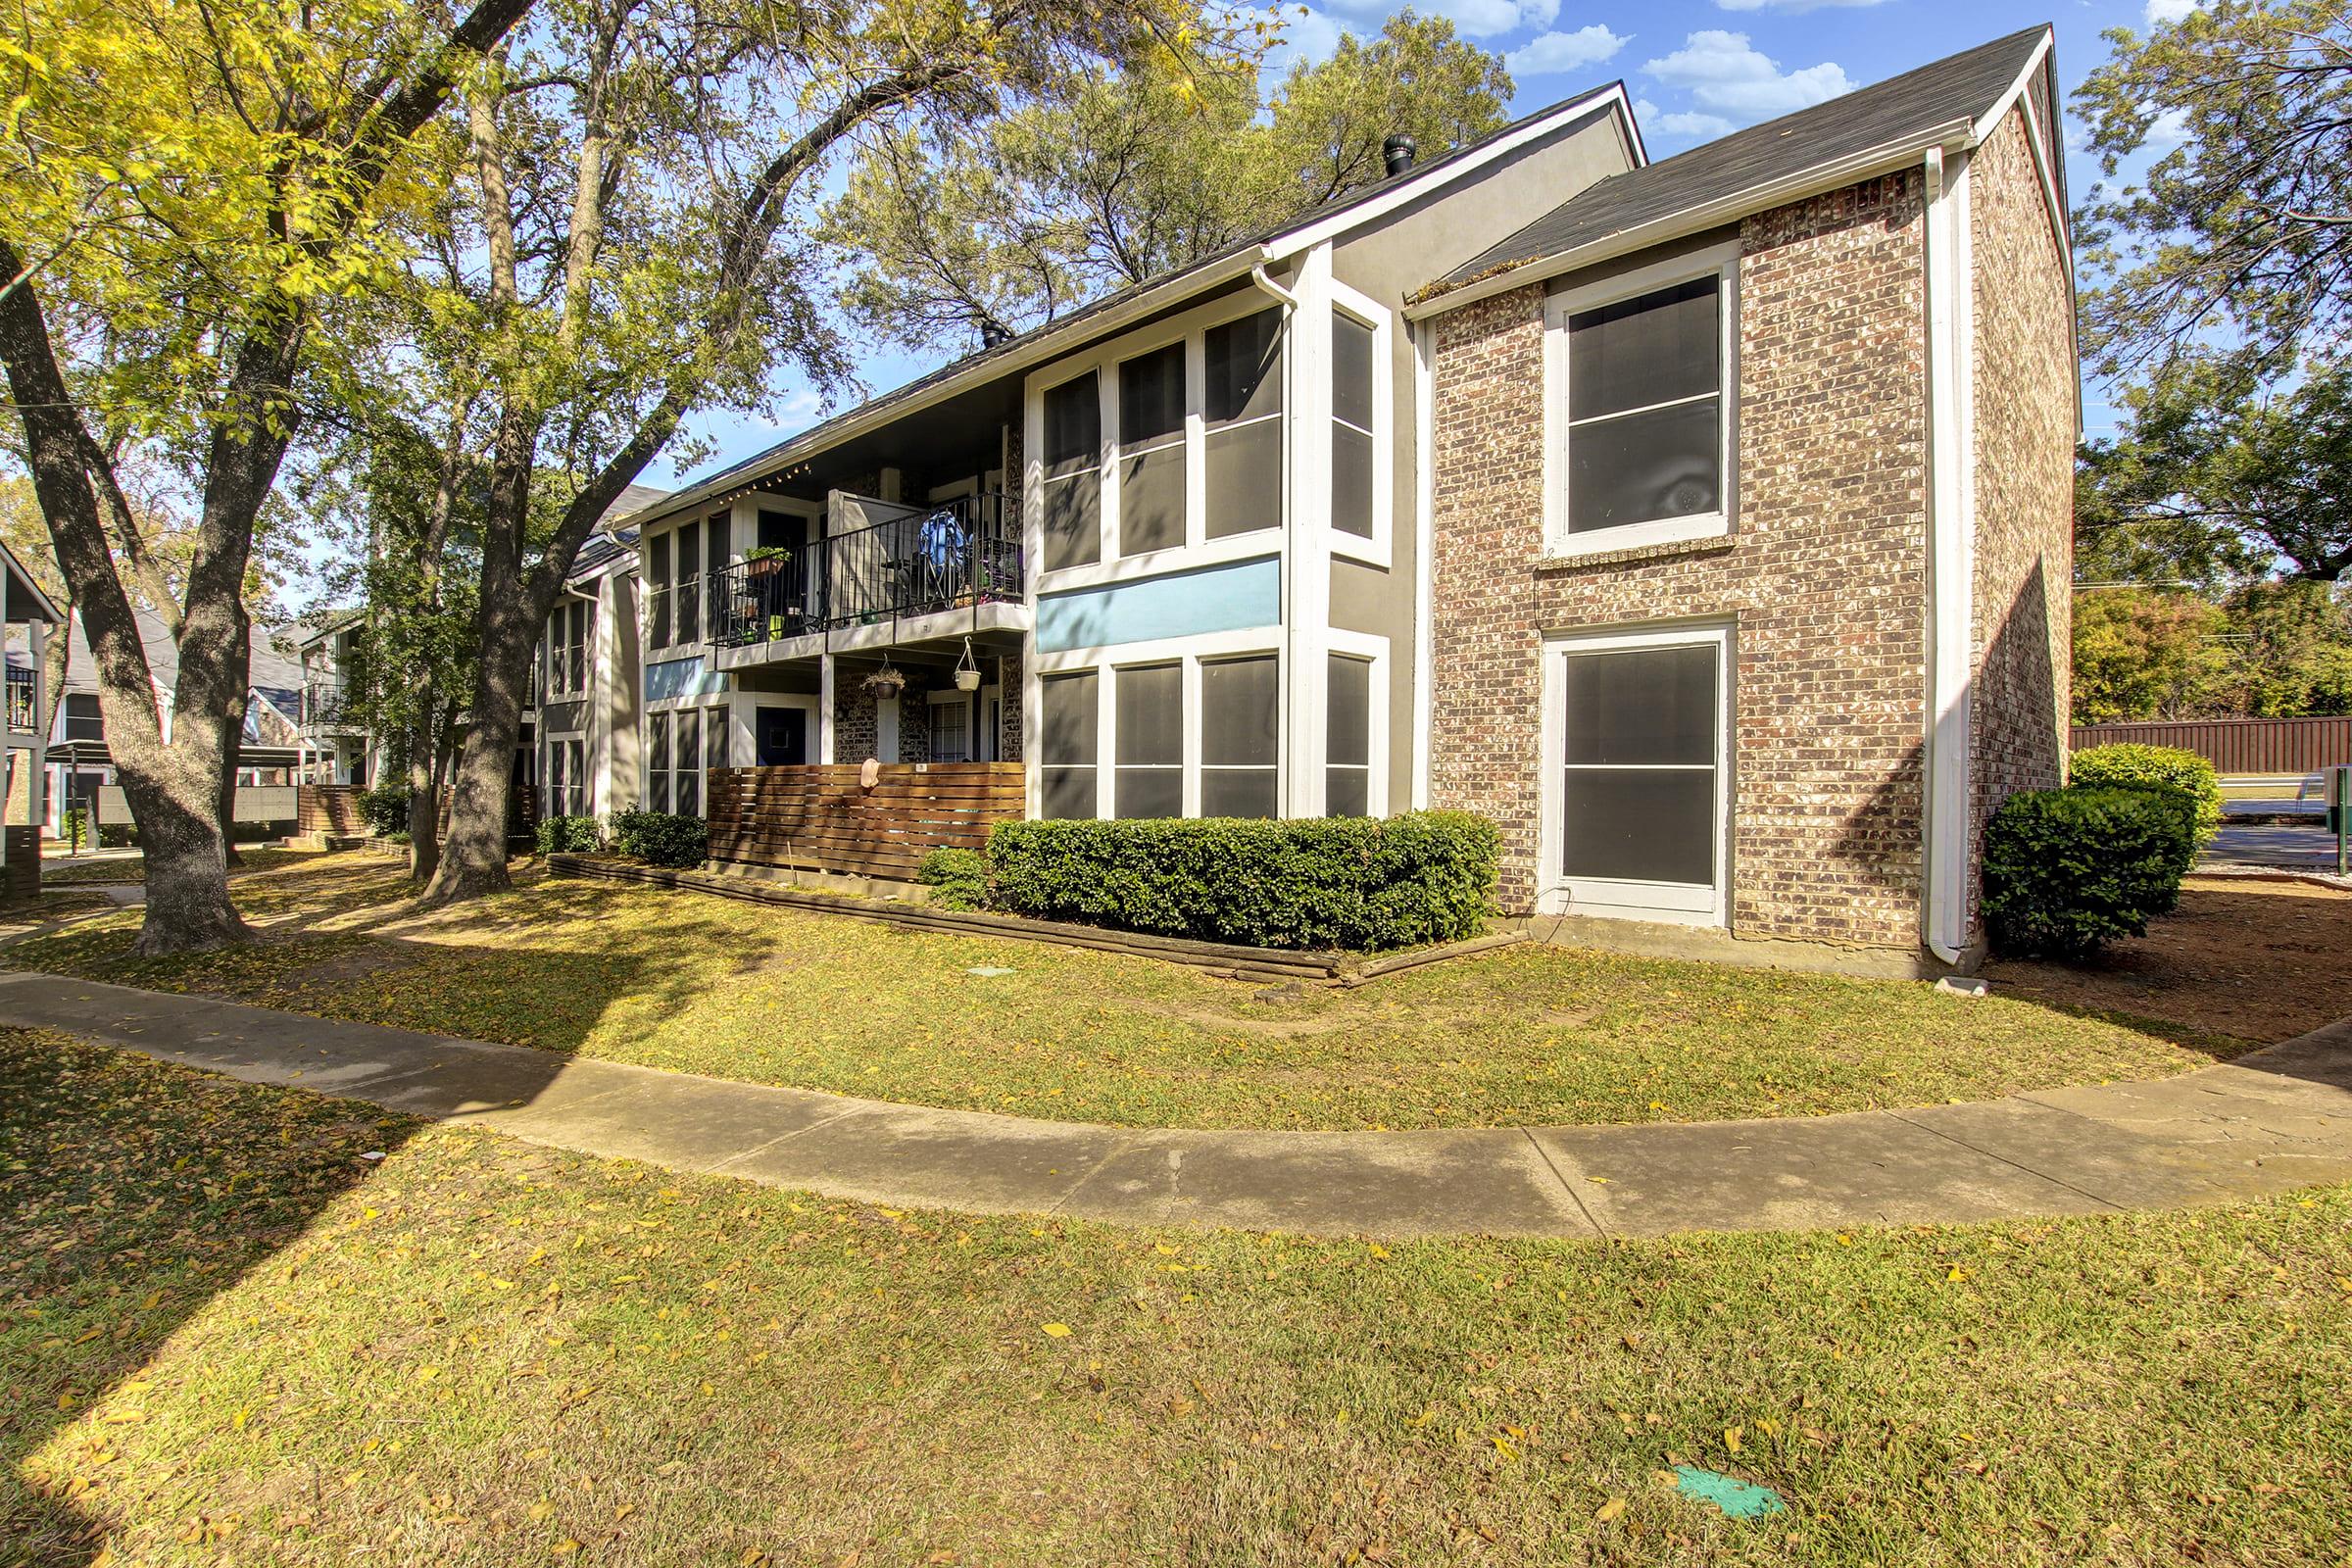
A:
{"x": 21, "y": 715}
{"x": 324, "y": 706}
{"x": 932, "y": 561}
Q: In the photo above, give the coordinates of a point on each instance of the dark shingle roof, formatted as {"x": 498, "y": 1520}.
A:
{"x": 1963, "y": 87}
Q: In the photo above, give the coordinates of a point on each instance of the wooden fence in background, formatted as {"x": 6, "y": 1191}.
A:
{"x": 324, "y": 809}
{"x": 820, "y": 817}
{"x": 2240, "y": 746}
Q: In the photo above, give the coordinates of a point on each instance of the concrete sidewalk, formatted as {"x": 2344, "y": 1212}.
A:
{"x": 2275, "y": 1121}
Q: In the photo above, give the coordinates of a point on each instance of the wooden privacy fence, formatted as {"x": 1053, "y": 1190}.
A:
{"x": 328, "y": 809}
{"x": 822, "y": 818}
{"x": 2236, "y": 745}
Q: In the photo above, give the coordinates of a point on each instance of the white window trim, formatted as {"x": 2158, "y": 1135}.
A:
{"x": 1673, "y": 903}
{"x": 1558, "y": 543}
{"x": 1364, "y": 645}
{"x": 1187, "y": 652}
{"x": 952, "y": 697}
{"x": 546, "y": 786}
{"x": 1365, "y": 311}
{"x": 1102, "y": 359}
{"x": 713, "y": 705}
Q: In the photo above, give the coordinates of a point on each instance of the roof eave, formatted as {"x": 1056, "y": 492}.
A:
{"x": 1952, "y": 135}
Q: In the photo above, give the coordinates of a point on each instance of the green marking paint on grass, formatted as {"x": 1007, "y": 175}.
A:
{"x": 1742, "y": 1499}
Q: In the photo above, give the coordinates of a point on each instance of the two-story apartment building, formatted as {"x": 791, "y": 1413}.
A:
{"x": 1705, "y": 521}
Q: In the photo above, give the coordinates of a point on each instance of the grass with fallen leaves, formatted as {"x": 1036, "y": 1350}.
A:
{"x": 1526, "y": 1034}
{"x": 59, "y": 873}
{"x": 228, "y": 1336}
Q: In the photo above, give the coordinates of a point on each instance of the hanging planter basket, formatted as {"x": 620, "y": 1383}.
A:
{"x": 886, "y": 682}
{"x": 967, "y": 670}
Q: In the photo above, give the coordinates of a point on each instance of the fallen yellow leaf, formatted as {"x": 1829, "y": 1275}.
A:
{"x": 1610, "y": 1509}
{"x": 1058, "y": 1331}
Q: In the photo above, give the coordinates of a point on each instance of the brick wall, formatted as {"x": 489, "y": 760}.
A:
{"x": 2025, "y": 483}
{"x": 1823, "y": 577}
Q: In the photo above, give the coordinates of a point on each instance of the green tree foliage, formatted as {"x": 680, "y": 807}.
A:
{"x": 1106, "y": 180}
{"x": 2245, "y": 227}
{"x": 2265, "y": 650}
{"x": 2220, "y": 475}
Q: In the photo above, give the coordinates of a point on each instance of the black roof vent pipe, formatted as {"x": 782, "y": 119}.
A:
{"x": 1398, "y": 151}
{"x": 993, "y": 332}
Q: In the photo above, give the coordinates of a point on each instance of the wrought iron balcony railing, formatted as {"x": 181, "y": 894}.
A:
{"x": 323, "y": 703}
{"x": 955, "y": 555}
{"x": 21, "y": 715}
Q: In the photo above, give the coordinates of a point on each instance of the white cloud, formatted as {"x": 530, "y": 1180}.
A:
{"x": 1539, "y": 13}
{"x": 1657, "y": 122}
{"x": 1307, "y": 35}
{"x": 1728, "y": 78}
{"x": 1797, "y": 6}
{"x": 2168, "y": 130}
{"x": 1550, "y": 53}
{"x": 2161, "y": 12}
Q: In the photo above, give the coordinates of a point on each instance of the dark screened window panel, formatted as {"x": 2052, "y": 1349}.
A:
{"x": 1151, "y": 709}
{"x": 1347, "y": 711}
{"x": 1239, "y": 713}
{"x": 689, "y": 740}
{"x": 1073, "y": 526}
{"x": 1641, "y": 468}
{"x": 778, "y": 531}
{"x": 1639, "y": 824}
{"x": 1654, "y": 349}
{"x": 1147, "y": 792}
{"x": 1352, "y": 371}
{"x": 658, "y": 728}
{"x": 1151, "y": 396}
{"x": 1351, "y": 481}
{"x": 1238, "y": 792}
{"x": 1068, "y": 793}
{"x": 1347, "y": 792}
{"x": 1645, "y": 705}
{"x": 714, "y": 737}
{"x": 1243, "y": 367}
{"x": 1068, "y": 721}
{"x": 1073, "y": 425}
{"x": 657, "y": 634}
{"x": 1151, "y": 500}
{"x": 1242, "y": 478}
{"x": 714, "y": 543}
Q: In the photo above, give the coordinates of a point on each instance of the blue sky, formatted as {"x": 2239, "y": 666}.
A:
{"x": 1696, "y": 70}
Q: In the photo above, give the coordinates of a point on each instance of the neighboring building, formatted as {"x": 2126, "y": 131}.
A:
{"x": 336, "y": 746}
{"x": 26, "y": 621}
{"x": 1707, "y": 523}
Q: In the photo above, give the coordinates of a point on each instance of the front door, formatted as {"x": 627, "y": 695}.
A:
{"x": 782, "y": 735}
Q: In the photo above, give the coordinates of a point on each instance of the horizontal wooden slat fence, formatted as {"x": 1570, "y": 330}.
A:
{"x": 821, "y": 817}
{"x": 328, "y": 809}
{"x": 2238, "y": 745}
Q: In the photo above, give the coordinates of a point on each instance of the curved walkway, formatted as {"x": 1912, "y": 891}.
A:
{"x": 2279, "y": 1120}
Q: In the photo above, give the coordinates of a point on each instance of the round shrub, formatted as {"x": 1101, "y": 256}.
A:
{"x": 957, "y": 878}
{"x": 658, "y": 838}
{"x": 567, "y": 835}
{"x": 2153, "y": 768}
{"x": 385, "y": 810}
{"x": 2068, "y": 870}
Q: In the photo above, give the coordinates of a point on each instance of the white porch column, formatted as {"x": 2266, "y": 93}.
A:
{"x": 1306, "y": 560}
{"x": 824, "y": 709}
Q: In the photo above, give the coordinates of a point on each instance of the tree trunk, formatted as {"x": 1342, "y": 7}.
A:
{"x": 425, "y": 800}
{"x": 473, "y": 861}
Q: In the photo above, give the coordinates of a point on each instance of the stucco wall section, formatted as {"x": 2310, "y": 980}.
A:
{"x": 1823, "y": 577}
{"x": 2025, "y": 389}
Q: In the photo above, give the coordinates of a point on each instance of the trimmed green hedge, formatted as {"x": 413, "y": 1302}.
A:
{"x": 661, "y": 839}
{"x": 2068, "y": 870}
{"x": 957, "y": 878}
{"x": 2132, "y": 765}
{"x": 568, "y": 835}
{"x": 1356, "y": 883}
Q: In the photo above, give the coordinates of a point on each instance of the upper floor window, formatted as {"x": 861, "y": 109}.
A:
{"x": 568, "y": 657}
{"x": 1639, "y": 408}
{"x": 82, "y": 720}
{"x": 1354, "y": 413}
{"x": 1073, "y": 468}
{"x": 656, "y": 593}
{"x": 1242, "y": 416}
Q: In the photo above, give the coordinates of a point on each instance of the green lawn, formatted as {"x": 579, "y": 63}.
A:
{"x": 709, "y": 985}
{"x": 57, "y": 872}
{"x": 227, "y": 1337}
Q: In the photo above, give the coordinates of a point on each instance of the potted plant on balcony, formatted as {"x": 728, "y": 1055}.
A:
{"x": 764, "y": 560}
{"x": 886, "y": 682}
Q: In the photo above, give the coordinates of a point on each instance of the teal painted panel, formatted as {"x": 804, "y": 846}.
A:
{"x": 682, "y": 678}
{"x": 1742, "y": 1499}
{"x": 1184, "y": 604}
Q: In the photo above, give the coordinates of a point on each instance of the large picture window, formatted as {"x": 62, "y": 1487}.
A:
{"x": 1637, "y": 731}
{"x": 1640, "y": 410}
{"x": 1074, "y": 473}
{"x": 569, "y": 629}
{"x": 656, "y": 606}
{"x": 686, "y": 612}
{"x": 1243, "y": 414}
{"x": 1240, "y": 745}
{"x": 1068, "y": 723}
{"x": 1151, "y": 451}
{"x": 1149, "y": 780}
{"x": 680, "y": 743}
{"x": 566, "y": 791}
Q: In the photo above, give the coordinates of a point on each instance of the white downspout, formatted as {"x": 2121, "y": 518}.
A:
{"x": 1951, "y": 574}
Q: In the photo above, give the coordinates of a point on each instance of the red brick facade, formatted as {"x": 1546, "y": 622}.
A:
{"x": 1823, "y": 577}
{"x": 2025, "y": 496}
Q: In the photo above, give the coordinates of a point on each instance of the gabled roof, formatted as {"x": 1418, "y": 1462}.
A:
{"x": 1945, "y": 100}
{"x": 267, "y": 668}
{"x": 1358, "y": 204}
